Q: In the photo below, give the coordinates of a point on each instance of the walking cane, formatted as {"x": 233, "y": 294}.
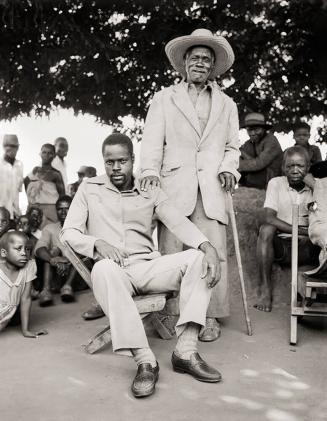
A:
{"x": 239, "y": 262}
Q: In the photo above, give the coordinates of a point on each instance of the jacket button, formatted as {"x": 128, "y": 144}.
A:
{"x": 200, "y": 169}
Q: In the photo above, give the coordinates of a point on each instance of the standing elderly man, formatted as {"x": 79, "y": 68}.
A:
{"x": 190, "y": 146}
{"x": 11, "y": 176}
{"x": 59, "y": 163}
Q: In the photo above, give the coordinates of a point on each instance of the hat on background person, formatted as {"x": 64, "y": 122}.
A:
{"x": 224, "y": 55}
{"x": 255, "y": 120}
{"x": 9, "y": 139}
{"x": 82, "y": 170}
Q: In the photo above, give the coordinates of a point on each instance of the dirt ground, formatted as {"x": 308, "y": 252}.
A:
{"x": 264, "y": 378}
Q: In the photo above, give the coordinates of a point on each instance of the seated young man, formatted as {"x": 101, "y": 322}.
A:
{"x": 111, "y": 221}
{"x": 35, "y": 216}
{"x": 274, "y": 241}
{"x": 261, "y": 155}
{"x": 50, "y": 250}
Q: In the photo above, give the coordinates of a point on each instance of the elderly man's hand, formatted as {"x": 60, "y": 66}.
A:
{"x": 108, "y": 251}
{"x": 211, "y": 264}
{"x": 150, "y": 180}
{"x": 227, "y": 181}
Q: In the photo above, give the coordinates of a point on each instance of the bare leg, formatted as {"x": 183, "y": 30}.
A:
{"x": 265, "y": 257}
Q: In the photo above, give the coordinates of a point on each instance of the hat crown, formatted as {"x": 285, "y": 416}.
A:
{"x": 201, "y": 32}
{"x": 255, "y": 116}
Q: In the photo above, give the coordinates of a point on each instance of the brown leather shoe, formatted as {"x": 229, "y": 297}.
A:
{"x": 211, "y": 331}
{"x": 196, "y": 367}
{"x": 145, "y": 380}
{"x": 95, "y": 312}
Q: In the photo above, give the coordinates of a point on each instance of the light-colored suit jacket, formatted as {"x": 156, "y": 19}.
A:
{"x": 174, "y": 149}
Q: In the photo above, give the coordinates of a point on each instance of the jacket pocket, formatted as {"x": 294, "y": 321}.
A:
{"x": 168, "y": 170}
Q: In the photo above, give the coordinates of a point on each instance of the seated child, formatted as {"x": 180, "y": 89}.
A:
{"x": 49, "y": 249}
{"x": 35, "y": 216}
{"x": 301, "y": 134}
{"x": 16, "y": 275}
{"x": 24, "y": 225}
{"x": 4, "y": 220}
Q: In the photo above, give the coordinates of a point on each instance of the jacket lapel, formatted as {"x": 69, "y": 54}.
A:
{"x": 184, "y": 103}
{"x": 217, "y": 106}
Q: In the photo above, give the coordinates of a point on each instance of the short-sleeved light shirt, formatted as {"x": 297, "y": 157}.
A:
{"x": 50, "y": 237}
{"x": 281, "y": 196}
{"x": 11, "y": 182}
{"x": 11, "y": 292}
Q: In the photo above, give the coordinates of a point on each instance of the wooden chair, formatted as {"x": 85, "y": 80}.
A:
{"x": 303, "y": 285}
{"x": 147, "y": 305}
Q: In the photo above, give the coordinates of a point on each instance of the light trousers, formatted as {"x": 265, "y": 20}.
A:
{"x": 216, "y": 234}
{"x": 114, "y": 286}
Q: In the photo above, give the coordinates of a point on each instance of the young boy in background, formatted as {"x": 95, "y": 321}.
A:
{"x": 16, "y": 275}
{"x": 4, "y": 220}
{"x": 301, "y": 134}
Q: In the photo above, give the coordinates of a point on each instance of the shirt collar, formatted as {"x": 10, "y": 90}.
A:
{"x": 305, "y": 188}
{"x": 208, "y": 85}
{"x": 104, "y": 180}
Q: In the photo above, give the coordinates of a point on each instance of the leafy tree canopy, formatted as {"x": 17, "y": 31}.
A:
{"x": 107, "y": 58}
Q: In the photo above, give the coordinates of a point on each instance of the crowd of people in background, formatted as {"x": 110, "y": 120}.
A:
{"x": 262, "y": 165}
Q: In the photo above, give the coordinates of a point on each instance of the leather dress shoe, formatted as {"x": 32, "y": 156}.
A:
{"x": 211, "y": 331}
{"x": 196, "y": 367}
{"x": 95, "y": 312}
{"x": 145, "y": 380}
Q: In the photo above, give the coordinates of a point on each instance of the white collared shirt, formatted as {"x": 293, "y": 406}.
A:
{"x": 281, "y": 196}
{"x": 11, "y": 182}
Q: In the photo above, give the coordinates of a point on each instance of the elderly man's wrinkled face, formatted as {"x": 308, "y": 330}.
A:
{"x": 10, "y": 147}
{"x": 198, "y": 64}
{"x": 295, "y": 168}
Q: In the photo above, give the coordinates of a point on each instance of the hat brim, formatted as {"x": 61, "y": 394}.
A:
{"x": 256, "y": 124}
{"x": 224, "y": 55}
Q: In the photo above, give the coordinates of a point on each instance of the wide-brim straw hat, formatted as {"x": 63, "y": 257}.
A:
{"x": 254, "y": 120}
{"x": 224, "y": 55}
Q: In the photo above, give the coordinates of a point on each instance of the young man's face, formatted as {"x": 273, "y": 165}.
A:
{"x": 16, "y": 252}
{"x": 35, "y": 218}
{"x": 295, "y": 168}
{"x": 4, "y": 223}
{"x": 47, "y": 155}
{"x": 119, "y": 166}
{"x": 302, "y": 136}
{"x": 198, "y": 64}
{"x": 256, "y": 133}
{"x": 62, "y": 148}
{"x": 24, "y": 225}
{"x": 10, "y": 147}
{"x": 62, "y": 211}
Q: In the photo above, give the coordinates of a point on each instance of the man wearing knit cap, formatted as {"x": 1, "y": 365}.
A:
{"x": 261, "y": 155}
{"x": 11, "y": 176}
{"x": 190, "y": 147}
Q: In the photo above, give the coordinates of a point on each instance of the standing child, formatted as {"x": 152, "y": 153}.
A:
{"x": 16, "y": 275}
{"x": 301, "y": 134}
{"x": 45, "y": 185}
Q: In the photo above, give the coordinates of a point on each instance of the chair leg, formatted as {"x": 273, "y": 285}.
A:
{"x": 293, "y": 340}
{"x": 162, "y": 331}
{"x": 99, "y": 341}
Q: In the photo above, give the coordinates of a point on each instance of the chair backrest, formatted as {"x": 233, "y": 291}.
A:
{"x": 77, "y": 263}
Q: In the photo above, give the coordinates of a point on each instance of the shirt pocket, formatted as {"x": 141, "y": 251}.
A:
{"x": 170, "y": 169}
